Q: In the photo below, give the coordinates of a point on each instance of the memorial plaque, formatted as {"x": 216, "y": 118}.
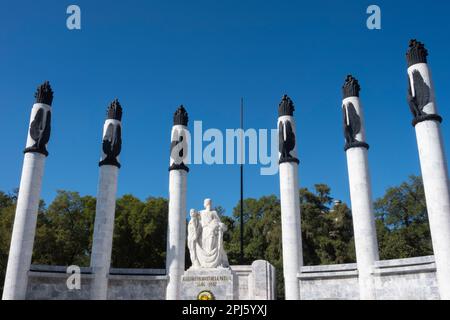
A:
{"x": 207, "y": 284}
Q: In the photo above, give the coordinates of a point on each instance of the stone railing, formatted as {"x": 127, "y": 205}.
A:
{"x": 400, "y": 279}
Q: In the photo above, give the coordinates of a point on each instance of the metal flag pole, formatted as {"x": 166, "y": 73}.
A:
{"x": 242, "y": 182}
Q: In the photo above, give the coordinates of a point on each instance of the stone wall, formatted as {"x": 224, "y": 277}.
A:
{"x": 49, "y": 283}
{"x": 255, "y": 282}
{"x": 129, "y": 286}
{"x": 401, "y": 279}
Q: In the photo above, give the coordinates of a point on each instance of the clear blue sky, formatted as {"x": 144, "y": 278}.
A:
{"x": 155, "y": 55}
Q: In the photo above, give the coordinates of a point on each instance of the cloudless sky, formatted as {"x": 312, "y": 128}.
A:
{"x": 156, "y": 55}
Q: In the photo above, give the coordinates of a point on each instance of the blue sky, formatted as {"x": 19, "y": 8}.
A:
{"x": 155, "y": 55}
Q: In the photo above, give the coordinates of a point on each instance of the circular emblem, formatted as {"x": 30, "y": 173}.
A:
{"x": 206, "y": 295}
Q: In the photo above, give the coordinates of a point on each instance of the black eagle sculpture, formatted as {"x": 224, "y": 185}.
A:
{"x": 40, "y": 127}
{"x": 178, "y": 145}
{"x": 286, "y": 142}
{"x": 40, "y": 132}
{"x": 112, "y": 141}
{"x": 352, "y": 123}
{"x": 417, "y": 54}
{"x": 177, "y": 151}
{"x": 422, "y": 95}
{"x": 177, "y": 140}
{"x": 112, "y": 145}
{"x": 352, "y": 126}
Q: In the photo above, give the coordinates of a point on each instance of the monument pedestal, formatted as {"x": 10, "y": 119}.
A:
{"x": 207, "y": 284}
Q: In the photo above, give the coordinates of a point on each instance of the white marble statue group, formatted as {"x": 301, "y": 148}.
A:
{"x": 205, "y": 239}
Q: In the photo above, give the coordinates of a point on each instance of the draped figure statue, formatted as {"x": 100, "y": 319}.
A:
{"x": 205, "y": 239}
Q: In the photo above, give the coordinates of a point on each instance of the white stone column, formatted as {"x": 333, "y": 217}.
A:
{"x": 176, "y": 230}
{"x": 24, "y": 229}
{"x": 433, "y": 161}
{"x": 106, "y": 202}
{"x": 289, "y": 200}
{"x": 366, "y": 244}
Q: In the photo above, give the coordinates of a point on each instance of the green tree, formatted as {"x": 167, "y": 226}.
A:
{"x": 64, "y": 230}
{"x": 140, "y": 233}
{"x": 7, "y": 210}
{"x": 327, "y": 233}
{"x": 402, "y": 226}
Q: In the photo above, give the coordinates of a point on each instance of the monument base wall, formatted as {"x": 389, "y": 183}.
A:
{"x": 50, "y": 283}
{"x": 400, "y": 279}
{"x": 254, "y": 282}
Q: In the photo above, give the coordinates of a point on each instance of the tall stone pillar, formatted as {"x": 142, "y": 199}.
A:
{"x": 106, "y": 201}
{"x": 289, "y": 199}
{"x": 176, "y": 230}
{"x": 24, "y": 229}
{"x": 366, "y": 244}
{"x": 433, "y": 162}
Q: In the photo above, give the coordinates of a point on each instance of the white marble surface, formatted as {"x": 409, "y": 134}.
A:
{"x": 430, "y": 108}
{"x": 115, "y": 123}
{"x": 250, "y": 282}
{"x": 205, "y": 238}
{"x": 34, "y": 110}
{"x": 433, "y": 165}
{"x": 290, "y": 222}
{"x": 176, "y": 233}
{"x": 218, "y": 281}
{"x": 434, "y": 169}
{"x": 366, "y": 244}
{"x": 177, "y": 132}
{"x": 24, "y": 228}
{"x": 103, "y": 230}
{"x": 361, "y": 136}
{"x": 400, "y": 279}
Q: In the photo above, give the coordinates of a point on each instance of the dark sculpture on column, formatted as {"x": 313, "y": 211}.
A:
{"x": 433, "y": 161}
{"x": 421, "y": 97}
{"x": 112, "y": 140}
{"x": 40, "y": 127}
{"x": 178, "y": 146}
{"x": 286, "y": 135}
{"x": 352, "y": 121}
{"x": 24, "y": 229}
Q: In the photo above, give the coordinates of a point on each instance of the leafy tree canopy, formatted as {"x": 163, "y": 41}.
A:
{"x": 65, "y": 228}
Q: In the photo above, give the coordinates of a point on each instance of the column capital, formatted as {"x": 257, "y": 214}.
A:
{"x": 112, "y": 135}
{"x": 352, "y": 118}
{"x": 286, "y": 132}
{"x": 114, "y": 111}
{"x": 44, "y": 94}
{"x": 420, "y": 94}
{"x": 286, "y": 107}
{"x": 177, "y": 153}
{"x": 40, "y": 126}
{"x": 417, "y": 53}
{"x": 351, "y": 87}
{"x": 180, "y": 116}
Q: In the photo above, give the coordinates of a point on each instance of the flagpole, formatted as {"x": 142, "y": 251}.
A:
{"x": 242, "y": 182}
